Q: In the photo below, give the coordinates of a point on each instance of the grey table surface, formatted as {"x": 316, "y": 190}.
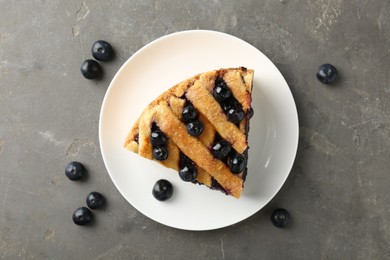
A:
{"x": 338, "y": 189}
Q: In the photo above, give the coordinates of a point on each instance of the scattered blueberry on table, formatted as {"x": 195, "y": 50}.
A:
{"x": 82, "y": 216}
{"x": 102, "y": 51}
{"x": 326, "y": 73}
{"x": 280, "y": 217}
{"x": 75, "y": 171}
{"x": 91, "y": 69}
{"x": 95, "y": 200}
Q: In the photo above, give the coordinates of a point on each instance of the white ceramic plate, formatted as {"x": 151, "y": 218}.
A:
{"x": 159, "y": 65}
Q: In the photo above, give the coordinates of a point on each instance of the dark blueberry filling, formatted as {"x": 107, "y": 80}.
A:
{"x": 251, "y": 113}
{"x": 216, "y": 186}
{"x": 136, "y": 137}
{"x": 158, "y": 138}
{"x": 184, "y": 160}
{"x": 189, "y": 113}
{"x": 190, "y": 116}
{"x": 221, "y": 91}
{"x": 160, "y": 153}
{"x": 245, "y": 154}
{"x": 154, "y": 127}
{"x": 230, "y": 105}
{"x": 188, "y": 171}
{"x": 236, "y": 163}
{"x": 159, "y": 143}
{"x": 235, "y": 115}
{"x": 221, "y": 149}
{"x": 195, "y": 128}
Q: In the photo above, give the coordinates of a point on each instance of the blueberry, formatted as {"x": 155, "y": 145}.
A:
{"x": 82, "y": 216}
{"x": 95, "y": 200}
{"x": 251, "y": 113}
{"x": 91, "y": 69}
{"x": 221, "y": 149}
{"x": 326, "y": 73}
{"x": 235, "y": 115}
{"x": 189, "y": 113}
{"x": 158, "y": 138}
{"x": 102, "y": 51}
{"x": 160, "y": 153}
{"x": 226, "y": 106}
{"x": 221, "y": 91}
{"x": 188, "y": 173}
{"x": 75, "y": 171}
{"x": 236, "y": 163}
{"x": 280, "y": 217}
{"x": 229, "y": 104}
{"x": 195, "y": 128}
{"x": 162, "y": 190}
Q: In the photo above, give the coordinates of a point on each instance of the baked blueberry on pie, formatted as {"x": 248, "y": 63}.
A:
{"x": 199, "y": 128}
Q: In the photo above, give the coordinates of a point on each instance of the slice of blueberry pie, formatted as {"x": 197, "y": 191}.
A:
{"x": 199, "y": 128}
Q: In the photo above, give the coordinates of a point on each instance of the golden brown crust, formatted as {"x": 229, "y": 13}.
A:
{"x": 166, "y": 112}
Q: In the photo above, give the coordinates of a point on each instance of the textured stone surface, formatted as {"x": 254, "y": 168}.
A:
{"x": 337, "y": 192}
